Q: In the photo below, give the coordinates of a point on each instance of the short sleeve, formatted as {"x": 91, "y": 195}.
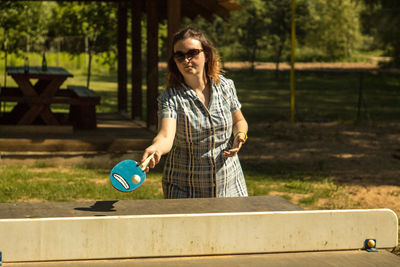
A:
{"x": 235, "y": 104}
{"x": 166, "y": 105}
{"x": 230, "y": 91}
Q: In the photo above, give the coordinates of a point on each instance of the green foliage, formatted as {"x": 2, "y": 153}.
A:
{"x": 328, "y": 30}
{"x": 279, "y": 28}
{"x": 334, "y": 27}
{"x": 10, "y": 20}
{"x": 381, "y": 19}
{"x": 220, "y": 33}
{"x": 95, "y": 21}
{"x": 23, "y": 25}
{"x": 252, "y": 28}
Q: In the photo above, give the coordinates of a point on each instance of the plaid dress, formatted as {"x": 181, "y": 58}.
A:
{"x": 195, "y": 167}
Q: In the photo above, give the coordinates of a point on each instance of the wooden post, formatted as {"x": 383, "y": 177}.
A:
{"x": 137, "y": 60}
{"x": 174, "y": 19}
{"x": 122, "y": 73}
{"x": 152, "y": 62}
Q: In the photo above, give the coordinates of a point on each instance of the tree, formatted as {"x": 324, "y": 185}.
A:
{"x": 279, "y": 28}
{"x": 10, "y": 15}
{"x": 94, "y": 21}
{"x": 334, "y": 27}
{"x": 240, "y": 37}
{"x": 221, "y": 33}
{"x": 252, "y": 28}
{"x": 262, "y": 26}
{"x": 23, "y": 26}
{"x": 380, "y": 19}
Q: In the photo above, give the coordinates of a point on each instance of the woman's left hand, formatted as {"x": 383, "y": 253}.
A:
{"x": 237, "y": 144}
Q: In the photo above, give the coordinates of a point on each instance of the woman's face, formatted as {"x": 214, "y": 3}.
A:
{"x": 189, "y": 57}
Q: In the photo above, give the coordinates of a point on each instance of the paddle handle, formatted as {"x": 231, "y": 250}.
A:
{"x": 144, "y": 164}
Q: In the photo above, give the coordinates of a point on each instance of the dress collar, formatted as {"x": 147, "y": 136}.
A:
{"x": 192, "y": 94}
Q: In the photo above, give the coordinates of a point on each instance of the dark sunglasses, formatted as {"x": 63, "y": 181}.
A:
{"x": 180, "y": 56}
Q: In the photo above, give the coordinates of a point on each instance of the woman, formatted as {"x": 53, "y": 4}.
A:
{"x": 198, "y": 114}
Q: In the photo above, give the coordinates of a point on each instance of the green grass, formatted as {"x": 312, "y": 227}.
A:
{"x": 311, "y": 190}
{"x": 265, "y": 99}
{"x": 41, "y": 182}
{"x": 318, "y": 97}
{"x": 286, "y": 179}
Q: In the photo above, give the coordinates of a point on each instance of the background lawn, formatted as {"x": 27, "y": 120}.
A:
{"x": 322, "y": 97}
{"x": 326, "y": 160}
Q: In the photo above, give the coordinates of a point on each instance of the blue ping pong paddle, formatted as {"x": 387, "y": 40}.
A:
{"x": 128, "y": 175}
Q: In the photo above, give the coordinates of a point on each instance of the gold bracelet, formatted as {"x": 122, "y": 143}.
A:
{"x": 245, "y": 135}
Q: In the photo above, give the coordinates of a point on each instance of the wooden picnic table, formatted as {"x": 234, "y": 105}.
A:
{"x": 34, "y": 98}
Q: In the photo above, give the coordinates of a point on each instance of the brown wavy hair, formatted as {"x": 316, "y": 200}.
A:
{"x": 212, "y": 66}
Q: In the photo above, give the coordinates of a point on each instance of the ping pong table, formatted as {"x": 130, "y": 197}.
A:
{"x": 252, "y": 231}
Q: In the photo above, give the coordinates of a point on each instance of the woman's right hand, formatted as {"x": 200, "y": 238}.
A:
{"x": 155, "y": 160}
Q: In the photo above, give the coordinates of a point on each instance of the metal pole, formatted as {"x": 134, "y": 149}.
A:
{"x": 292, "y": 91}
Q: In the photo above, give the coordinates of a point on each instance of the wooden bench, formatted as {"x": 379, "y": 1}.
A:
{"x": 82, "y": 103}
{"x": 83, "y": 110}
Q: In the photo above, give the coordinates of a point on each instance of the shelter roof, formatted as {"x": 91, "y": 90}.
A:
{"x": 190, "y": 8}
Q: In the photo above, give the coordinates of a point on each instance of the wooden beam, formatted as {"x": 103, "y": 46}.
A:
{"x": 152, "y": 62}
{"x": 230, "y": 5}
{"x": 192, "y": 10}
{"x": 174, "y": 19}
{"x": 137, "y": 8}
{"x": 213, "y": 7}
{"x": 122, "y": 72}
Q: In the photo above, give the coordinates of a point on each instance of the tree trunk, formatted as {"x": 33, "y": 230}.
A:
{"x": 5, "y": 60}
{"x": 86, "y": 51}
{"x": 278, "y": 60}
{"x": 89, "y": 68}
{"x": 278, "y": 56}
{"x": 253, "y": 59}
{"x": 91, "y": 46}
